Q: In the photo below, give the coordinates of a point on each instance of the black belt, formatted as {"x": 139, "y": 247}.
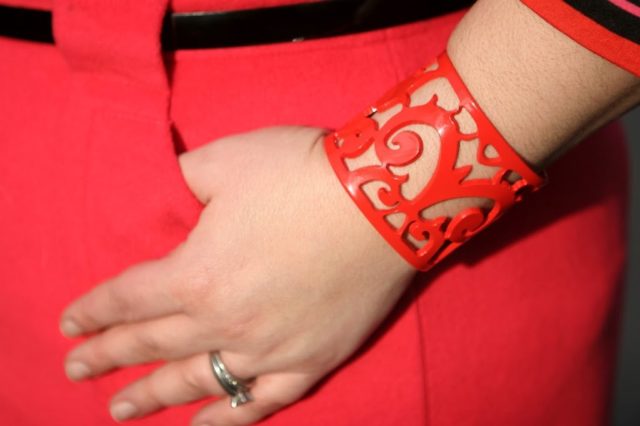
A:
{"x": 194, "y": 30}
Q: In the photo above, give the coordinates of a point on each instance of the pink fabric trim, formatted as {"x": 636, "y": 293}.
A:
{"x": 627, "y": 6}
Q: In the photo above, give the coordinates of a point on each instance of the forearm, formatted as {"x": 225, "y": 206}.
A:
{"x": 428, "y": 194}
{"x": 543, "y": 91}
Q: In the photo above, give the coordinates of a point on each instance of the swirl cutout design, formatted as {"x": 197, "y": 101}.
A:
{"x": 424, "y": 241}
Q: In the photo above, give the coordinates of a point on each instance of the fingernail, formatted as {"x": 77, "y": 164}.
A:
{"x": 123, "y": 411}
{"x": 70, "y": 328}
{"x": 76, "y": 370}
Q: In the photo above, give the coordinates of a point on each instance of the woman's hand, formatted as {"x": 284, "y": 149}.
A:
{"x": 282, "y": 274}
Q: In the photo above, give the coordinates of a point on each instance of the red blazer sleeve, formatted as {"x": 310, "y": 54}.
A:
{"x": 609, "y": 28}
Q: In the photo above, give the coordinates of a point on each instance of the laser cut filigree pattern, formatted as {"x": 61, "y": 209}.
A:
{"x": 424, "y": 241}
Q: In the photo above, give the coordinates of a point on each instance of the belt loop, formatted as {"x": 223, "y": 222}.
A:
{"x": 113, "y": 47}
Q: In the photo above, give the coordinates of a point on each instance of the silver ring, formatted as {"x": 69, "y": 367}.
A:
{"x": 238, "y": 389}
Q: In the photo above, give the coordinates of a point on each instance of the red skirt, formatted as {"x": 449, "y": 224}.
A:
{"x": 516, "y": 328}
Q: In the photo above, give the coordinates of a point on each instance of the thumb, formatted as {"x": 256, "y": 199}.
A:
{"x": 196, "y": 167}
{"x": 211, "y": 166}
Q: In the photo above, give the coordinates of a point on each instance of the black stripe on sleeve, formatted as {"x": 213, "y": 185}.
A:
{"x": 610, "y": 16}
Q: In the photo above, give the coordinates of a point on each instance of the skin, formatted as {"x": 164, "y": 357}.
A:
{"x": 289, "y": 293}
{"x": 304, "y": 277}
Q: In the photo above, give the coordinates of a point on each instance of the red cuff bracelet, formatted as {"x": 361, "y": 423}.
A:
{"x": 424, "y": 241}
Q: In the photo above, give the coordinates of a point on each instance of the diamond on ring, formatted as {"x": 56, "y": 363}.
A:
{"x": 238, "y": 389}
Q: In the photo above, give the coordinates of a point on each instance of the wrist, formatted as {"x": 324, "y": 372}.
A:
{"x": 427, "y": 167}
{"x": 359, "y": 234}
{"x": 541, "y": 90}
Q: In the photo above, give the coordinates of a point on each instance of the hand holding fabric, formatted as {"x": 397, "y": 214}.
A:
{"x": 282, "y": 274}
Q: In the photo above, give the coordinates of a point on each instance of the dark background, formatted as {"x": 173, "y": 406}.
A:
{"x": 626, "y": 403}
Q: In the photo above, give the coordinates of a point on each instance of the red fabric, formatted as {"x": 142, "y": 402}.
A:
{"x": 518, "y": 327}
{"x": 588, "y": 33}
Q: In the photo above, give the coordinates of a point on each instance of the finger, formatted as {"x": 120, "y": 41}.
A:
{"x": 166, "y": 338}
{"x": 141, "y": 292}
{"x": 270, "y": 393}
{"x": 175, "y": 383}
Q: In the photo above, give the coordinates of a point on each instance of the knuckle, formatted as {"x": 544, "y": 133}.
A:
{"x": 193, "y": 287}
{"x": 151, "y": 391}
{"x": 95, "y": 353}
{"x": 240, "y": 330}
{"x": 117, "y": 302}
{"x": 232, "y": 332}
{"x": 84, "y": 318}
{"x": 149, "y": 345}
{"x": 196, "y": 380}
{"x": 324, "y": 360}
{"x": 244, "y": 321}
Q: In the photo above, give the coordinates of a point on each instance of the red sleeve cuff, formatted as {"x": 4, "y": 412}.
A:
{"x": 588, "y": 33}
